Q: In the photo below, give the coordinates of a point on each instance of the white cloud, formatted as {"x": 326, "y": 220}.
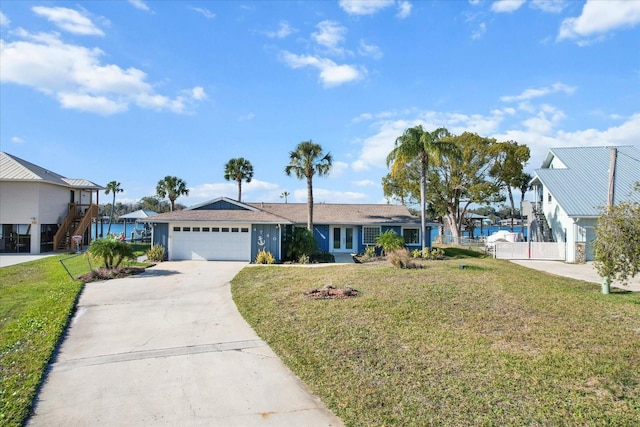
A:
{"x": 284, "y": 30}
{"x": 370, "y": 50}
{"x": 600, "y": 17}
{"x": 330, "y": 35}
{"x": 75, "y": 76}
{"x": 17, "y": 140}
{"x": 364, "y": 7}
{"x": 538, "y": 92}
{"x": 247, "y": 117}
{"x": 91, "y": 103}
{"x": 254, "y": 190}
{"x": 204, "y": 12}
{"x": 4, "y": 21}
{"x": 139, "y": 4}
{"x": 506, "y": 6}
{"x": 480, "y": 31}
{"x": 551, "y": 6}
{"x": 331, "y": 74}
{"x": 69, "y": 20}
{"x": 198, "y": 93}
{"x": 338, "y": 169}
{"x": 365, "y": 183}
{"x": 322, "y": 195}
{"x": 404, "y": 9}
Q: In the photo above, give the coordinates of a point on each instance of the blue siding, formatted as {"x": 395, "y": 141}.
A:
{"x": 267, "y": 237}
{"x": 321, "y": 234}
{"x": 221, "y": 205}
{"x": 161, "y": 237}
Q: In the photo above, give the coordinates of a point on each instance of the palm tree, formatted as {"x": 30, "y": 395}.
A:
{"x": 238, "y": 170}
{"x": 304, "y": 162}
{"x": 427, "y": 147}
{"x": 112, "y": 187}
{"x": 171, "y": 187}
{"x": 285, "y": 195}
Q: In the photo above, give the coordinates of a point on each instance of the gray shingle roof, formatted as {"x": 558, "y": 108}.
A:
{"x": 231, "y": 216}
{"x": 330, "y": 213}
{"x": 582, "y": 188}
{"x": 13, "y": 168}
{"x": 296, "y": 213}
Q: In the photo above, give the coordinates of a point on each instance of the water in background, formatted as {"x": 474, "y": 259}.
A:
{"x": 116, "y": 228}
{"x": 477, "y": 233}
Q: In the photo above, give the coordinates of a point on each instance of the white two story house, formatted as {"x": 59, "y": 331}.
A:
{"x": 571, "y": 189}
{"x": 41, "y": 210}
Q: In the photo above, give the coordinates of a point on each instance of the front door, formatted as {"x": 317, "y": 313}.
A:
{"x": 343, "y": 239}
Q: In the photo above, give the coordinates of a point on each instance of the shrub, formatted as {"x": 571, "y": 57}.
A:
{"x": 112, "y": 251}
{"x": 389, "y": 241}
{"x": 370, "y": 251}
{"x": 156, "y": 253}
{"x": 299, "y": 242}
{"x": 265, "y": 257}
{"x": 416, "y": 253}
{"x": 322, "y": 256}
{"x": 436, "y": 253}
{"x": 303, "y": 259}
{"x": 400, "y": 258}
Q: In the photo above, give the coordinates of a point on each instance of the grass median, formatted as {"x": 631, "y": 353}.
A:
{"x": 491, "y": 344}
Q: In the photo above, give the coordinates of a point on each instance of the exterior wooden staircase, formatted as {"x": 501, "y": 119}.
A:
{"x": 75, "y": 224}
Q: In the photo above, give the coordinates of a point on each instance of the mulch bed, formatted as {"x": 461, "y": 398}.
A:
{"x": 106, "y": 274}
{"x": 331, "y": 292}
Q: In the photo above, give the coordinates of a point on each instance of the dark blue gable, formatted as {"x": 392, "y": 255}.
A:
{"x": 221, "y": 205}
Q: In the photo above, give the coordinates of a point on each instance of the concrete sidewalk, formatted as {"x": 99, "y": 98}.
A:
{"x": 586, "y": 272}
{"x": 168, "y": 347}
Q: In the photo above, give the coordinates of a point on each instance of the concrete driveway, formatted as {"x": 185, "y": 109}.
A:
{"x": 168, "y": 347}
{"x": 585, "y": 271}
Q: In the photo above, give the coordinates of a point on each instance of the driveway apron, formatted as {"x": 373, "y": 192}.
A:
{"x": 168, "y": 347}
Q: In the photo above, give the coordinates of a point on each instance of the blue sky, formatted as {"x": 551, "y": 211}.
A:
{"x": 136, "y": 90}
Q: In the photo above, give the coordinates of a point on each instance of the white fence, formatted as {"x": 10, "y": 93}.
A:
{"x": 530, "y": 250}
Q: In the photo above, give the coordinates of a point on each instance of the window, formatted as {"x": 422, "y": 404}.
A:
{"x": 369, "y": 235}
{"x": 411, "y": 236}
{"x": 216, "y": 229}
{"x": 244, "y": 230}
{"x": 205, "y": 229}
{"x": 176, "y": 228}
{"x": 225, "y": 229}
{"x": 235, "y": 230}
{"x": 196, "y": 228}
{"x": 186, "y": 228}
{"x": 549, "y": 198}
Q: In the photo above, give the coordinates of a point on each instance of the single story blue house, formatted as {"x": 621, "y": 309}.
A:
{"x": 225, "y": 229}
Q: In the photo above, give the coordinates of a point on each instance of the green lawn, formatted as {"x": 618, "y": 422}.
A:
{"x": 494, "y": 344}
{"x": 36, "y": 301}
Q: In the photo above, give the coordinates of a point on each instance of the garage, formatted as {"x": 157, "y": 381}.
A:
{"x": 219, "y": 242}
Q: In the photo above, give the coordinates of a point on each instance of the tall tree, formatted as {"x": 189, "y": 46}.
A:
{"x": 462, "y": 180}
{"x": 306, "y": 161}
{"x": 153, "y": 203}
{"x": 617, "y": 243}
{"x": 507, "y": 169}
{"x": 285, "y": 195}
{"x": 428, "y": 148}
{"x": 171, "y": 187}
{"x": 238, "y": 170}
{"x": 404, "y": 185}
{"x": 114, "y": 188}
{"x": 522, "y": 184}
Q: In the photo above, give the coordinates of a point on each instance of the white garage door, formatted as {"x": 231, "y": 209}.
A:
{"x": 223, "y": 243}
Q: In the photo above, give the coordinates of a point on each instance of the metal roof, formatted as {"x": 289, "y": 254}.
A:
{"x": 581, "y": 188}
{"x": 15, "y": 169}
